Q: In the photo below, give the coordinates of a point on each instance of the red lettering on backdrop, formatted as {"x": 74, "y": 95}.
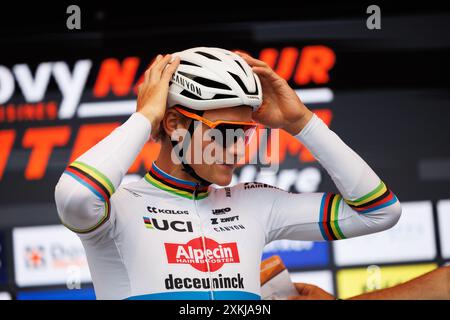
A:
{"x": 116, "y": 77}
{"x": 148, "y": 154}
{"x": 289, "y": 145}
{"x": 89, "y": 135}
{"x": 42, "y": 141}
{"x": 29, "y": 112}
{"x": 287, "y": 60}
{"x": 314, "y": 65}
{"x": 7, "y": 138}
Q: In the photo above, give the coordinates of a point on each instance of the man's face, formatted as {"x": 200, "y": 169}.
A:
{"x": 219, "y": 159}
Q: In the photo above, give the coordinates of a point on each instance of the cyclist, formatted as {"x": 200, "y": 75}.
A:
{"x": 172, "y": 235}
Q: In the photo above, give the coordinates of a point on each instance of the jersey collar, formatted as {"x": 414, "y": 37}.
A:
{"x": 180, "y": 187}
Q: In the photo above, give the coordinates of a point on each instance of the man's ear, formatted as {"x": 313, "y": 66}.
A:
{"x": 173, "y": 120}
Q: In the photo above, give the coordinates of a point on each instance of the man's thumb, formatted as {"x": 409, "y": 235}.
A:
{"x": 302, "y": 288}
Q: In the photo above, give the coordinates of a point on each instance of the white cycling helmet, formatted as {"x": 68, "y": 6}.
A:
{"x": 212, "y": 78}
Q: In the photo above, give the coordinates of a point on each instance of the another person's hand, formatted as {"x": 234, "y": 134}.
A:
{"x": 152, "y": 93}
{"x": 281, "y": 107}
{"x": 311, "y": 292}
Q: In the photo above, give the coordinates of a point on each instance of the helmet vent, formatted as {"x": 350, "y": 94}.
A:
{"x": 190, "y": 95}
{"x": 207, "y": 55}
{"x": 187, "y": 75}
{"x": 240, "y": 65}
{"x": 224, "y": 96}
{"x": 242, "y": 85}
{"x": 187, "y": 63}
{"x": 211, "y": 83}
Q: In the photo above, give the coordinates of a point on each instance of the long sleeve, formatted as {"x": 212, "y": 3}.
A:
{"x": 365, "y": 204}
{"x": 83, "y": 192}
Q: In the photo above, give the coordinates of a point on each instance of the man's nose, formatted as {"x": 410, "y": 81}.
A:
{"x": 237, "y": 149}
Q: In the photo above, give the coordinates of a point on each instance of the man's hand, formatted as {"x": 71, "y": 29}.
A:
{"x": 434, "y": 285}
{"x": 311, "y": 292}
{"x": 152, "y": 93}
{"x": 281, "y": 107}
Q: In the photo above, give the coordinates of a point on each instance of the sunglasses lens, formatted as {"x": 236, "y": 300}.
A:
{"x": 228, "y": 134}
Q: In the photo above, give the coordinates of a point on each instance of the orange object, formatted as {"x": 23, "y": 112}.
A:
{"x": 89, "y": 135}
{"x": 42, "y": 141}
{"x": 116, "y": 77}
{"x": 315, "y": 62}
{"x": 287, "y": 60}
{"x": 7, "y": 138}
{"x": 148, "y": 154}
{"x": 271, "y": 267}
{"x": 213, "y": 124}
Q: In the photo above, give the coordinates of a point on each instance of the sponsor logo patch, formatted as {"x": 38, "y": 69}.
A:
{"x": 164, "y": 225}
{"x": 199, "y": 256}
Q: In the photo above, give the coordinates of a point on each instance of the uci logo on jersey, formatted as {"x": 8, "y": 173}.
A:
{"x": 163, "y": 224}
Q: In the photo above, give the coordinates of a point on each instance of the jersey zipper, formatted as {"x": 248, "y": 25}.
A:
{"x": 211, "y": 289}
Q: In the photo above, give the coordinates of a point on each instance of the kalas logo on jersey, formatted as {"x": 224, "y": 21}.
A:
{"x": 198, "y": 256}
{"x": 163, "y": 224}
{"x": 166, "y": 211}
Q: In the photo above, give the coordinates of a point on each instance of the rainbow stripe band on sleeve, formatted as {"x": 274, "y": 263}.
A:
{"x": 379, "y": 198}
{"x": 96, "y": 182}
{"x": 329, "y": 211}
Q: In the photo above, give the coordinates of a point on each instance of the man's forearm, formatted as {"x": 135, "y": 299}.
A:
{"x": 368, "y": 207}
{"x": 434, "y": 285}
{"x": 350, "y": 173}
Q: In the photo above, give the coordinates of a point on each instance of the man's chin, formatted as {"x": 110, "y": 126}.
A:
{"x": 223, "y": 179}
{"x": 222, "y": 183}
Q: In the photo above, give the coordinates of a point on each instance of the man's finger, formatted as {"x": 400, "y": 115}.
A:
{"x": 149, "y": 70}
{"x": 155, "y": 60}
{"x": 302, "y": 288}
{"x": 170, "y": 69}
{"x": 252, "y": 61}
{"x": 265, "y": 73}
{"x": 156, "y": 72}
{"x": 159, "y": 67}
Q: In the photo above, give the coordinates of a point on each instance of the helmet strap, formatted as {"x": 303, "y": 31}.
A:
{"x": 186, "y": 167}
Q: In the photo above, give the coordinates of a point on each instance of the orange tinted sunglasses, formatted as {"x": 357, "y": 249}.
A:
{"x": 222, "y": 125}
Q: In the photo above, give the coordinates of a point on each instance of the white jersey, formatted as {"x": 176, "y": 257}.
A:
{"x": 166, "y": 238}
